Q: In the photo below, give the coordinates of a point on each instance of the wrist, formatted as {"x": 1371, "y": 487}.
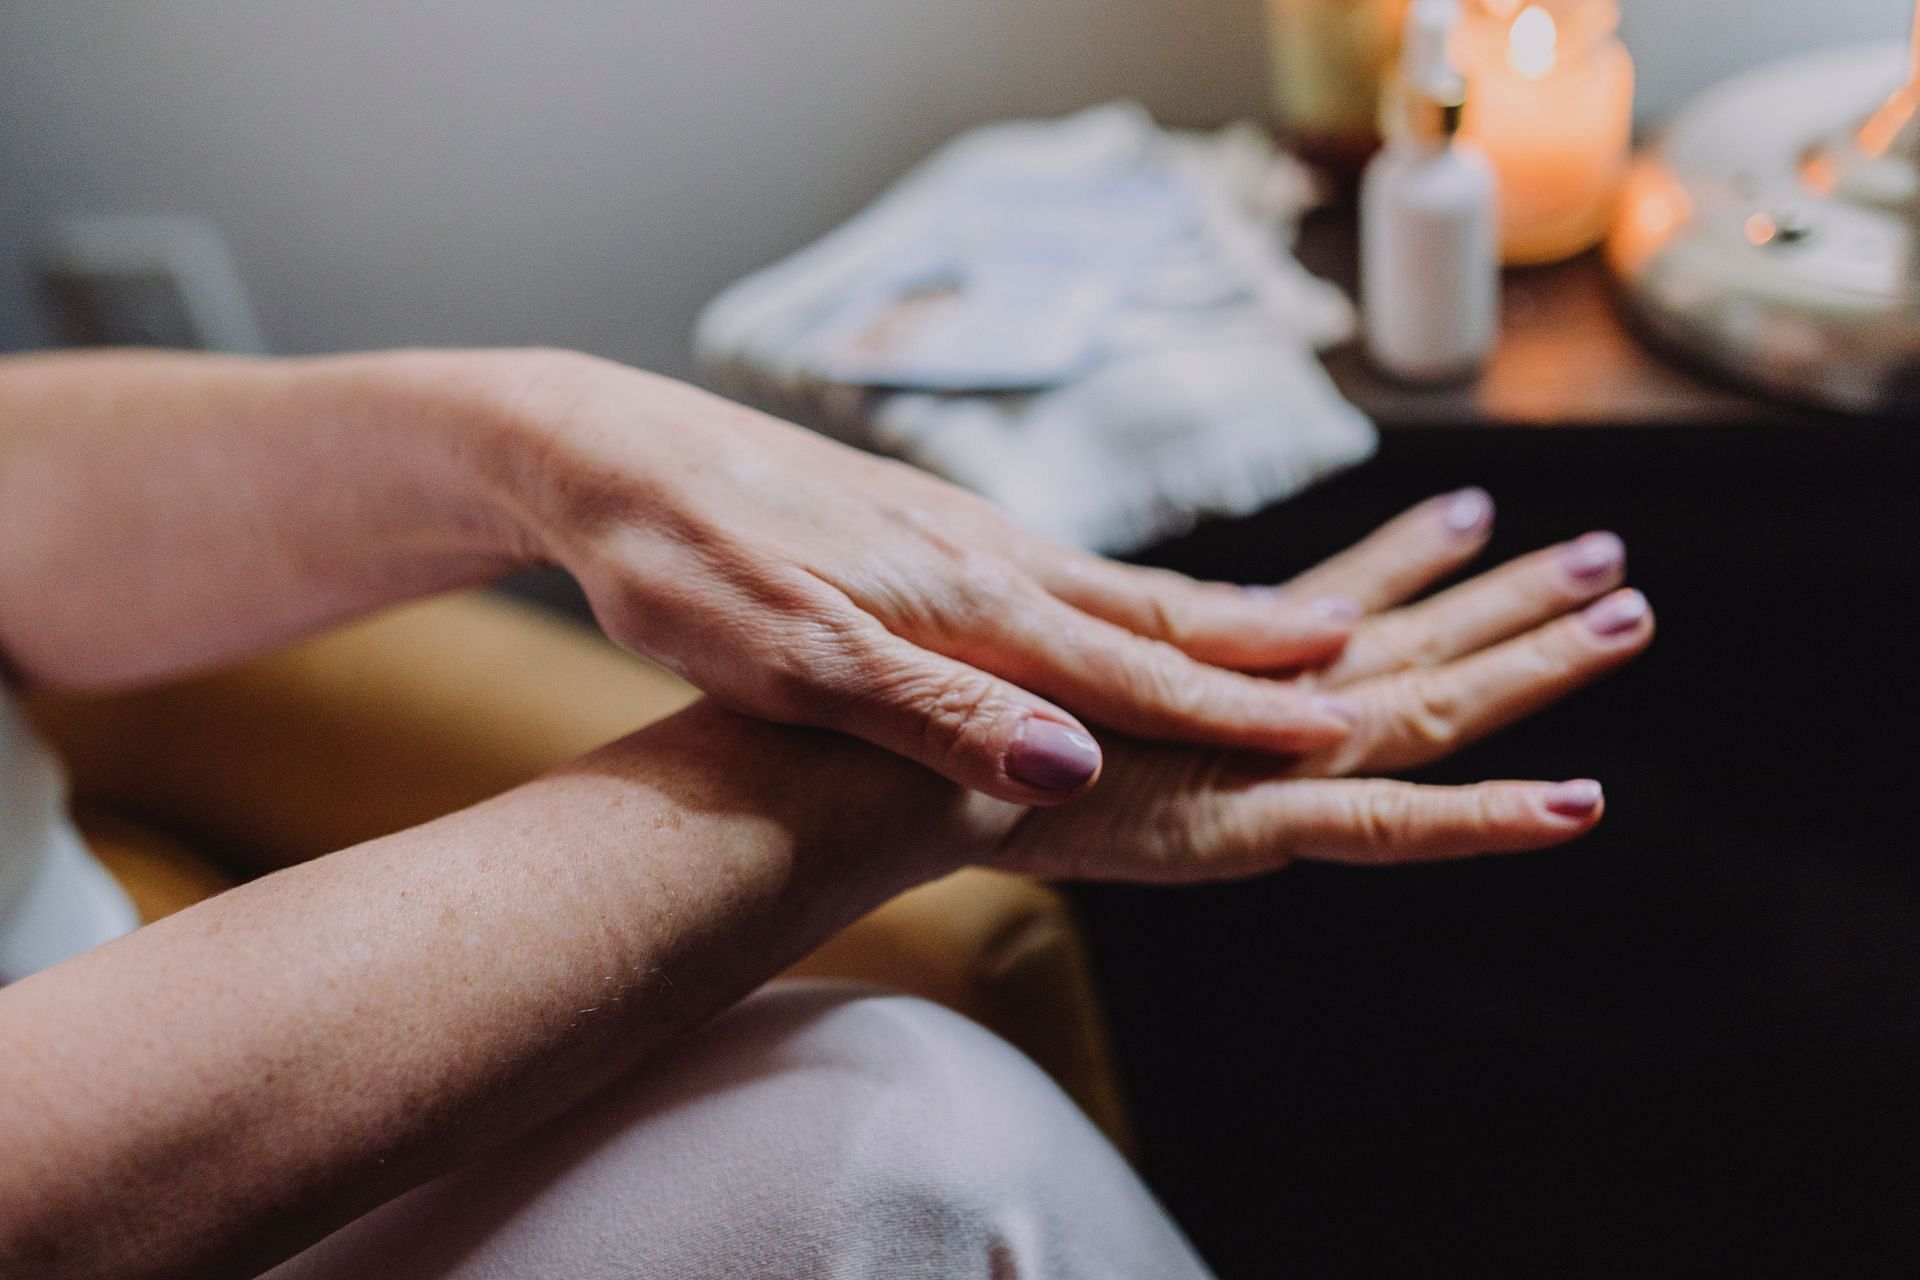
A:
{"x": 447, "y": 435}
{"x": 877, "y": 824}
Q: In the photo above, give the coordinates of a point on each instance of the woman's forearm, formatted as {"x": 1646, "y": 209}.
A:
{"x": 220, "y": 1088}
{"x": 165, "y": 511}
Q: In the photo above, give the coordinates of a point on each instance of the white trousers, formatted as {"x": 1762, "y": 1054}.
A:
{"x": 819, "y": 1131}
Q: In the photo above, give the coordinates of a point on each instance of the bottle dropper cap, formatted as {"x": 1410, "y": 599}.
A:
{"x": 1434, "y": 92}
{"x": 1426, "y": 56}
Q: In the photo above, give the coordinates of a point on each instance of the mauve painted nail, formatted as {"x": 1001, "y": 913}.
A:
{"x": 1617, "y": 615}
{"x": 1575, "y": 799}
{"x": 1052, "y": 756}
{"x": 1467, "y": 511}
{"x": 1594, "y": 558}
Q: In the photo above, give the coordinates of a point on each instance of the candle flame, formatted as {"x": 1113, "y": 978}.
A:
{"x": 1533, "y": 43}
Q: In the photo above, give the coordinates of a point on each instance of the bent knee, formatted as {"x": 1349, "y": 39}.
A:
{"x": 945, "y": 1142}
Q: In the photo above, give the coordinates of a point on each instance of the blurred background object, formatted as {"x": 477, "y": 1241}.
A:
{"x": 1330, "y": 60}
{"x": 1429, "y": 217}
{"x": 129, "y": 280}
{"x": 1774, "y": 233}
{"x": 1092, "y": 321}
{"x": 584, "y": 174}
{"x": 1551, "y": 100}
{"x": 590, "y": 173}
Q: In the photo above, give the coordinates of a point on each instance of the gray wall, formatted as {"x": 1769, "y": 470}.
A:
{"x": 1681, "y": 46}
{"x": 582, "y": 172}
{"x": 586, "y": 172}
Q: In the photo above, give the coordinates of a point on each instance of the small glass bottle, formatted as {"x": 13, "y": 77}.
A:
{"x": 1429, "y": 219}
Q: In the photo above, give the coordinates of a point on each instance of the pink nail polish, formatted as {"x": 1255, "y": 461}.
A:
{"x": 1619, "y": 614}
{"x": 1468, "y": 511}
{"x": 1051, "y": 756}
{"x": 1594, "y": 558}
{"x": 1574, "y": 799}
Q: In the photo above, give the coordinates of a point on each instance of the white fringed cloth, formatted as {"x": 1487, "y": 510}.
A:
{"x": 1094, "y": 322}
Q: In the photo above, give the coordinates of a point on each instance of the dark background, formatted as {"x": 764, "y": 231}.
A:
{"x": 1690, "y": 1042}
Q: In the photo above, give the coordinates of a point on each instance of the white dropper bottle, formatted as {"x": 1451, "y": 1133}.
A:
{"x": 1429, "y": 219}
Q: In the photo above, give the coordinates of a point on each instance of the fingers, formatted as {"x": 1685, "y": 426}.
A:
{"x": 977, "y": 730}
{"x": 1408, "y": 554}
{"x": 1380, "y": 823}
{"x": 1149, "y": 689}
{"x": 1177, "y": 824}
{"x": 1249, "y": 629}
{"x": 1424, "y": 714}
{"x": 1521, "y": 594}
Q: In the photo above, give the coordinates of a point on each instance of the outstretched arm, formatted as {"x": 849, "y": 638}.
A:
{"x": 212, "y": 1092}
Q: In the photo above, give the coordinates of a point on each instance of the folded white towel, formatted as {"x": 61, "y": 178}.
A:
{"x": 1091, "y": 321}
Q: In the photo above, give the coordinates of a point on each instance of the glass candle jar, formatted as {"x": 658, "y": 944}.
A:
{"x": 1329, "y": 57}
{"x": 1551, "y": 100}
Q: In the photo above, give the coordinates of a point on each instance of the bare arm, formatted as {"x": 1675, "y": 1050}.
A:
{"x": 208, "y": 1094}
{"x": 162, "y": 512}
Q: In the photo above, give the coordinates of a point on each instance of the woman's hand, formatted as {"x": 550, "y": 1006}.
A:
{"x": 1426, "y": 678}
{"x": 803, "y": 582}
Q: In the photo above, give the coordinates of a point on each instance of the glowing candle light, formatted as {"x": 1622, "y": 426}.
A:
{"x": 1551, "y": 101}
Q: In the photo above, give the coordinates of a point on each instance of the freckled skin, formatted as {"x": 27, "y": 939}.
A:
{"x": 209, "y": 1094}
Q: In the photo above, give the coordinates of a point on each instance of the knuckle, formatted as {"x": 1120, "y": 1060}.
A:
{"x": 980, "y": 575}
{"x": 814, "y": 674}
{"x": 1210, "y": 823}
{"x": 957, "y": 710}
{"x": 1553, "y": 653}
{"x": 1162, "y": 620}
{"x": 1427, "y": 711}
{"x": 1163, "y": 679}
{"x": 1403, "y": 646}
{"x": 1382, "y": 821}
{"x": 977, "y": 590}
{"x": 1496, "y": 808}
{"x": 1487, "y": 810}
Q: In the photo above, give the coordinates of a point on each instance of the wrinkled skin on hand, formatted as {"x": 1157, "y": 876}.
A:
{"x": 1428, "y": 678}
{"x": 803, "y": 582}
{"x": 799, "y": 581}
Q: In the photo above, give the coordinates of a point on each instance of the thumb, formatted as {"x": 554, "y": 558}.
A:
{"x": 973, "y": 728}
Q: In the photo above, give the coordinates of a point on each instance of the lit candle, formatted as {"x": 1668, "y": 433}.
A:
{"x": 1551, "y": 101}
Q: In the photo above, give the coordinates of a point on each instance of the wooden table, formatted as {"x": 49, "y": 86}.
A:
{"x": 1566, "y": 358}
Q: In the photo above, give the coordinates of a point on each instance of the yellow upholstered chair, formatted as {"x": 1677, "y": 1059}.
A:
{"x": 185, "y": 789}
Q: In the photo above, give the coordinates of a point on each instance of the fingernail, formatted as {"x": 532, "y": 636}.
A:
{"x": 1339, "y": 708}
{"x": 1336, "y": 609}
{"x": 1265, "y": 593}
{"x": 1467, "y": 511}
{"x": 1594, "y": 558}
{"x": 1575, "y": 799}
{"x": 1052, "y": 756}
{"x": 1618, "y": 614}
